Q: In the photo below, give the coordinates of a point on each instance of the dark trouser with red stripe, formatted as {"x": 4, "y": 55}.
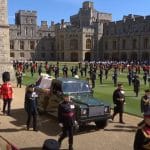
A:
{"x": 30, "y": 115}
{"x": 67, "y": 131}
{"x": 7, "y": 102}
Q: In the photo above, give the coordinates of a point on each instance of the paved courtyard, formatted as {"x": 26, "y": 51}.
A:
{"x": 114, "y": 137}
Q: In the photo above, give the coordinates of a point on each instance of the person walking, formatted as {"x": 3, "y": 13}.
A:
{"x": 31, "y": 106}
{"x": 19, "y": 77}
{"x": 66, "y": 118}
{"x": 6, "y": 92}
{"x": 119, "y": 100}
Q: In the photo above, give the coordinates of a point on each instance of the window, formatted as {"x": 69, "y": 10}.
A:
{"x": 134, "y": 43}
{"x": 32, "y": 21}
{"x": 21, "y": 54}
{"x": 145, "y": 43}
{"x": 32, "y": 32}
{"x": 73, "y": 44}
{"x": 62, "y": 56}
{"x": 52, "y": 46}
{"x": 22, "y": 45}
{"x": 11, "y": 44}
{"x": 124, "y": 44}
{"x": 114, "y": 45}
{"x": 43, "y": 55}
{"x": 62, "y": 45}
{"x": 32, "y": 45}
{"x": 12, "y": 55}
{"x": 106, "y": 46}
{"x": 52, "y": 55}
{"x": 25, "y": 31}
{"x": 88, "y": 44}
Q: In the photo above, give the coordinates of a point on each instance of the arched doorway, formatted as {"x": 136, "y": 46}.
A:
{"x": 74, "y": 56}
{"x": 87, "y": 56}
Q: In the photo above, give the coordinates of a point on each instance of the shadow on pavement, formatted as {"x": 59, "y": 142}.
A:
{"x": 124, "y": 128}
{"x": 45, "y": 123}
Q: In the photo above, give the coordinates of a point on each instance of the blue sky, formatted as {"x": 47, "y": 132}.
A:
{"x": 55, "y": 10}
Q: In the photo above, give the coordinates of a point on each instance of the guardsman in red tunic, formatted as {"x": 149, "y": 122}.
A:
{"x": 6, "y": 92}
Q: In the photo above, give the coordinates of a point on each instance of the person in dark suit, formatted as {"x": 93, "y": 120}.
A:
{"x": 19, "y": 76}
{"x": 119, "y": 100}
{"x": 31, "y": 106}
{"x": 66, "y": 118}
{"x": 136, "y": 85}
{"x": 145, "y": 105}
{"x": 145, "y": 102}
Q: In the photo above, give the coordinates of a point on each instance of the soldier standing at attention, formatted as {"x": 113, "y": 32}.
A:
{"x": 136, "y": 85}
{"x": 118, "y": 100}
{"x": 31, "y": 106}
{"x": 145, "y": 102}
{"x": 6, "y": 92}
{"x": 66, "y": 118}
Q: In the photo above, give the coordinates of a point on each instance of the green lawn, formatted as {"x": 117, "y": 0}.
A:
{"x": 105, "y": 91}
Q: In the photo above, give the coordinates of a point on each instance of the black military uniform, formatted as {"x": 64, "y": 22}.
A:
{"x": 19, "y": 78}
{"x": 101, "y": 75}
{"x": 129, "y": 76}
{"x": 93, "y": 77}
{"x": 145, "y": 102}
{"x": 142, "y": 136}
{"x": 115, "y": 76}
{"x": 31, "y": 106}
{"x": 118, "y": 100}
{"x": 136, "y": 85}
{"x": 145, "y": 77}
{"x": 65, "y": 71}
{"x": 66, "y": 118}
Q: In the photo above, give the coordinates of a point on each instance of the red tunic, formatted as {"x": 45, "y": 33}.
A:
{"x": 6, "y": 90}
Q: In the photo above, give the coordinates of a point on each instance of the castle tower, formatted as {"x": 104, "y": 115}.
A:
{"x": 5, "y": 64}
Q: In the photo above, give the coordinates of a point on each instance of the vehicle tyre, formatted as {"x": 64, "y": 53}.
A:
{"x": 101, "y": 124}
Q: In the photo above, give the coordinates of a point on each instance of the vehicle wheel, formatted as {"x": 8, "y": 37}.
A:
{"x": 82, "y": 127}
{"x": 101, "y": 124}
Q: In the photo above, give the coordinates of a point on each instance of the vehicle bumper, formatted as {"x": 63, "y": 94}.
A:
{"x": 93, "y": 119}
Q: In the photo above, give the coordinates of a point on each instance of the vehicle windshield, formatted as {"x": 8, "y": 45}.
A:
{"x": 75, "y": 87}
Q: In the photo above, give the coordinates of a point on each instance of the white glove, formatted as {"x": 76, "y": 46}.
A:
{"x": 75, "y": 122}
{"x": 61, "y": 125}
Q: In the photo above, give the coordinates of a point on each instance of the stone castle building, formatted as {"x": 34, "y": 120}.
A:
{"x": 128, "y": 39}
{"x": 76, "y": 40}
{"x": 30, "y": 41}
{"x": 90, "y": 35}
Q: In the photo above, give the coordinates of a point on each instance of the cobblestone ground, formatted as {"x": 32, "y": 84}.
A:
{"x": 114, "y": 137}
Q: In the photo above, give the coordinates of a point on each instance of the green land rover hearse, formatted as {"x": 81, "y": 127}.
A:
{"x": 88, "y": 109}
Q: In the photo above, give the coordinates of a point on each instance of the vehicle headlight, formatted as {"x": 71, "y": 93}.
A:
{"x": 107, "y": 109}
{"x": 83, "y": 111}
